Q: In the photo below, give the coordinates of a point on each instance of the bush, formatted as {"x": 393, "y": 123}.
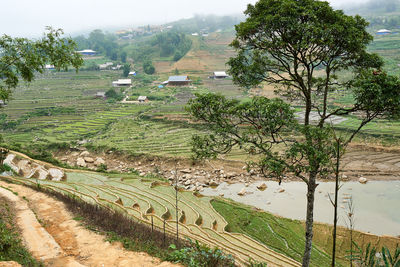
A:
{"x": 198, "y": 255}
{"x": 148, "y": 67}
{"x": 102, "y": 168}
{"x": 178, "y": 55}
{"x": 113, "y": 95}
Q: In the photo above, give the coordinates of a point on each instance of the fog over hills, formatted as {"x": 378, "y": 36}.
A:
{"x": 29, "y": 17}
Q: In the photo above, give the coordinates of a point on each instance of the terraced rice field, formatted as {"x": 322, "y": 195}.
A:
{"x": 149, "y": 137}
{"x": 149, "y": 200}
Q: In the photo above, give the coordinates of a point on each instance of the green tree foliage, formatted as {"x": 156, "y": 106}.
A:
{"x": 20, "y": 58}
{"x": 113, "y": 95}
{"x": 126, "y": 69}
{"x": 165, "y": 44}
{"x": 178, "y": 55}
{"x": 172, "y": 42}
{"x": 123, "y": 56}
{"x": 102, "y": 43}
{"x": 148, "y": 67}
{"x": 284, "y": 43}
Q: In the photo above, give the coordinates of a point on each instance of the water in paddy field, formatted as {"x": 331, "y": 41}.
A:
{"x": 376, "y": 204}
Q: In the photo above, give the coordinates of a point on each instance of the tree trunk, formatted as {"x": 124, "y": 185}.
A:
{"x": 335, "y": 205}
{"x": 309, "y": 220}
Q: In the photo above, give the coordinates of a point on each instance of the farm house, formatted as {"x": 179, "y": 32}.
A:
{"x": 122, "y": 82}
{"x": 87, "y": 52}
{"x": 143, "y": 99}
{"x": 100, "y": 95}
{"x": 220, "y": 75}
{"x": 179, "y": 80}
{"x": 383, "y": 32}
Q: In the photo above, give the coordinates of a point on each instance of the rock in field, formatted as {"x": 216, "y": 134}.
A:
{"x": 242, "y": 192}
{"x": 80, "y": 162}
{"x": 363, "y": 180}
{"x": 262, "y": 187}
{"x": 99, "y": 161}
{"x": 213, "y": 183}
{"x": 85, "y": 153}
{"x": 281, "y": 190}
{"x": 88, "y": 159}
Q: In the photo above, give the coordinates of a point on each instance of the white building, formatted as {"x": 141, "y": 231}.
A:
{"x": 220, "y": 74}
{"x": 122, "y": 82}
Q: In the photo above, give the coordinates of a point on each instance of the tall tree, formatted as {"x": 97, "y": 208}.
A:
{"x": 126, "y": 69}
{"x": 300, "y": 46}
{"x": 21, "y": 58}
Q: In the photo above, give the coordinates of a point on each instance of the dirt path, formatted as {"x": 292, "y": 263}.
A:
{"x": 62, "y": 241}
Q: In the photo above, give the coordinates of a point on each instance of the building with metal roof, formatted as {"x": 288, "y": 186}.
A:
{"x": 179, "y": 80}
{"x": 122, "y": 82}
{"x": 220, "y": 74}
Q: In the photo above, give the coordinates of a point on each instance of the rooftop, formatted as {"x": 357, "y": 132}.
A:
{"x": 220, "y": 73}
{"x": 178, "y": 79}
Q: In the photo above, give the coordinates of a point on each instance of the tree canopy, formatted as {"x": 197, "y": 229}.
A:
{"x": 301, "y": 47}
{"x": 20, "y": 58}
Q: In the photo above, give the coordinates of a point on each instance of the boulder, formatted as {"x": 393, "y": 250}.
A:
{"x": 56, "y": 174}
{"x": 362, "y": 180}
{"x": 84, "y": 154}
{"x": 188, "y": 182}
{"x": 242, "y": 192}
{"x": 187, "y": 176}
{"x": 88, "y": 159}
{"x": 75, "y": 154}
{"x": 99, "y": 161}
{"x": 221, "y": 194}
{"x": 281, "y": 190}
{"x": 262, "y": 187}
{"x": 231, "y": 174}
{"x": 213, "y": 183}
{"x": 81, "y": 162}
{"x": 186, "y": 171}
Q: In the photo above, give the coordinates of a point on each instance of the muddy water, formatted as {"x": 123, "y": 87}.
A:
{"x": 376, "y": 204}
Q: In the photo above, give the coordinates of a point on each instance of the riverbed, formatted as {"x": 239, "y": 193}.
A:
{"x": 376, "y": 204}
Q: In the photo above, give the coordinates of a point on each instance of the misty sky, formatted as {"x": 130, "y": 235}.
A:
{"x": 29, "y": 17}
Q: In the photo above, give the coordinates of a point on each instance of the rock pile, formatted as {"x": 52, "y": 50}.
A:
{"x": 84, "y": 160}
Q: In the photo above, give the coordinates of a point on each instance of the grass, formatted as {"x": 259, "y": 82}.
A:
{"x": 11, "y": 246}
{"x": 282, "y": 235}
